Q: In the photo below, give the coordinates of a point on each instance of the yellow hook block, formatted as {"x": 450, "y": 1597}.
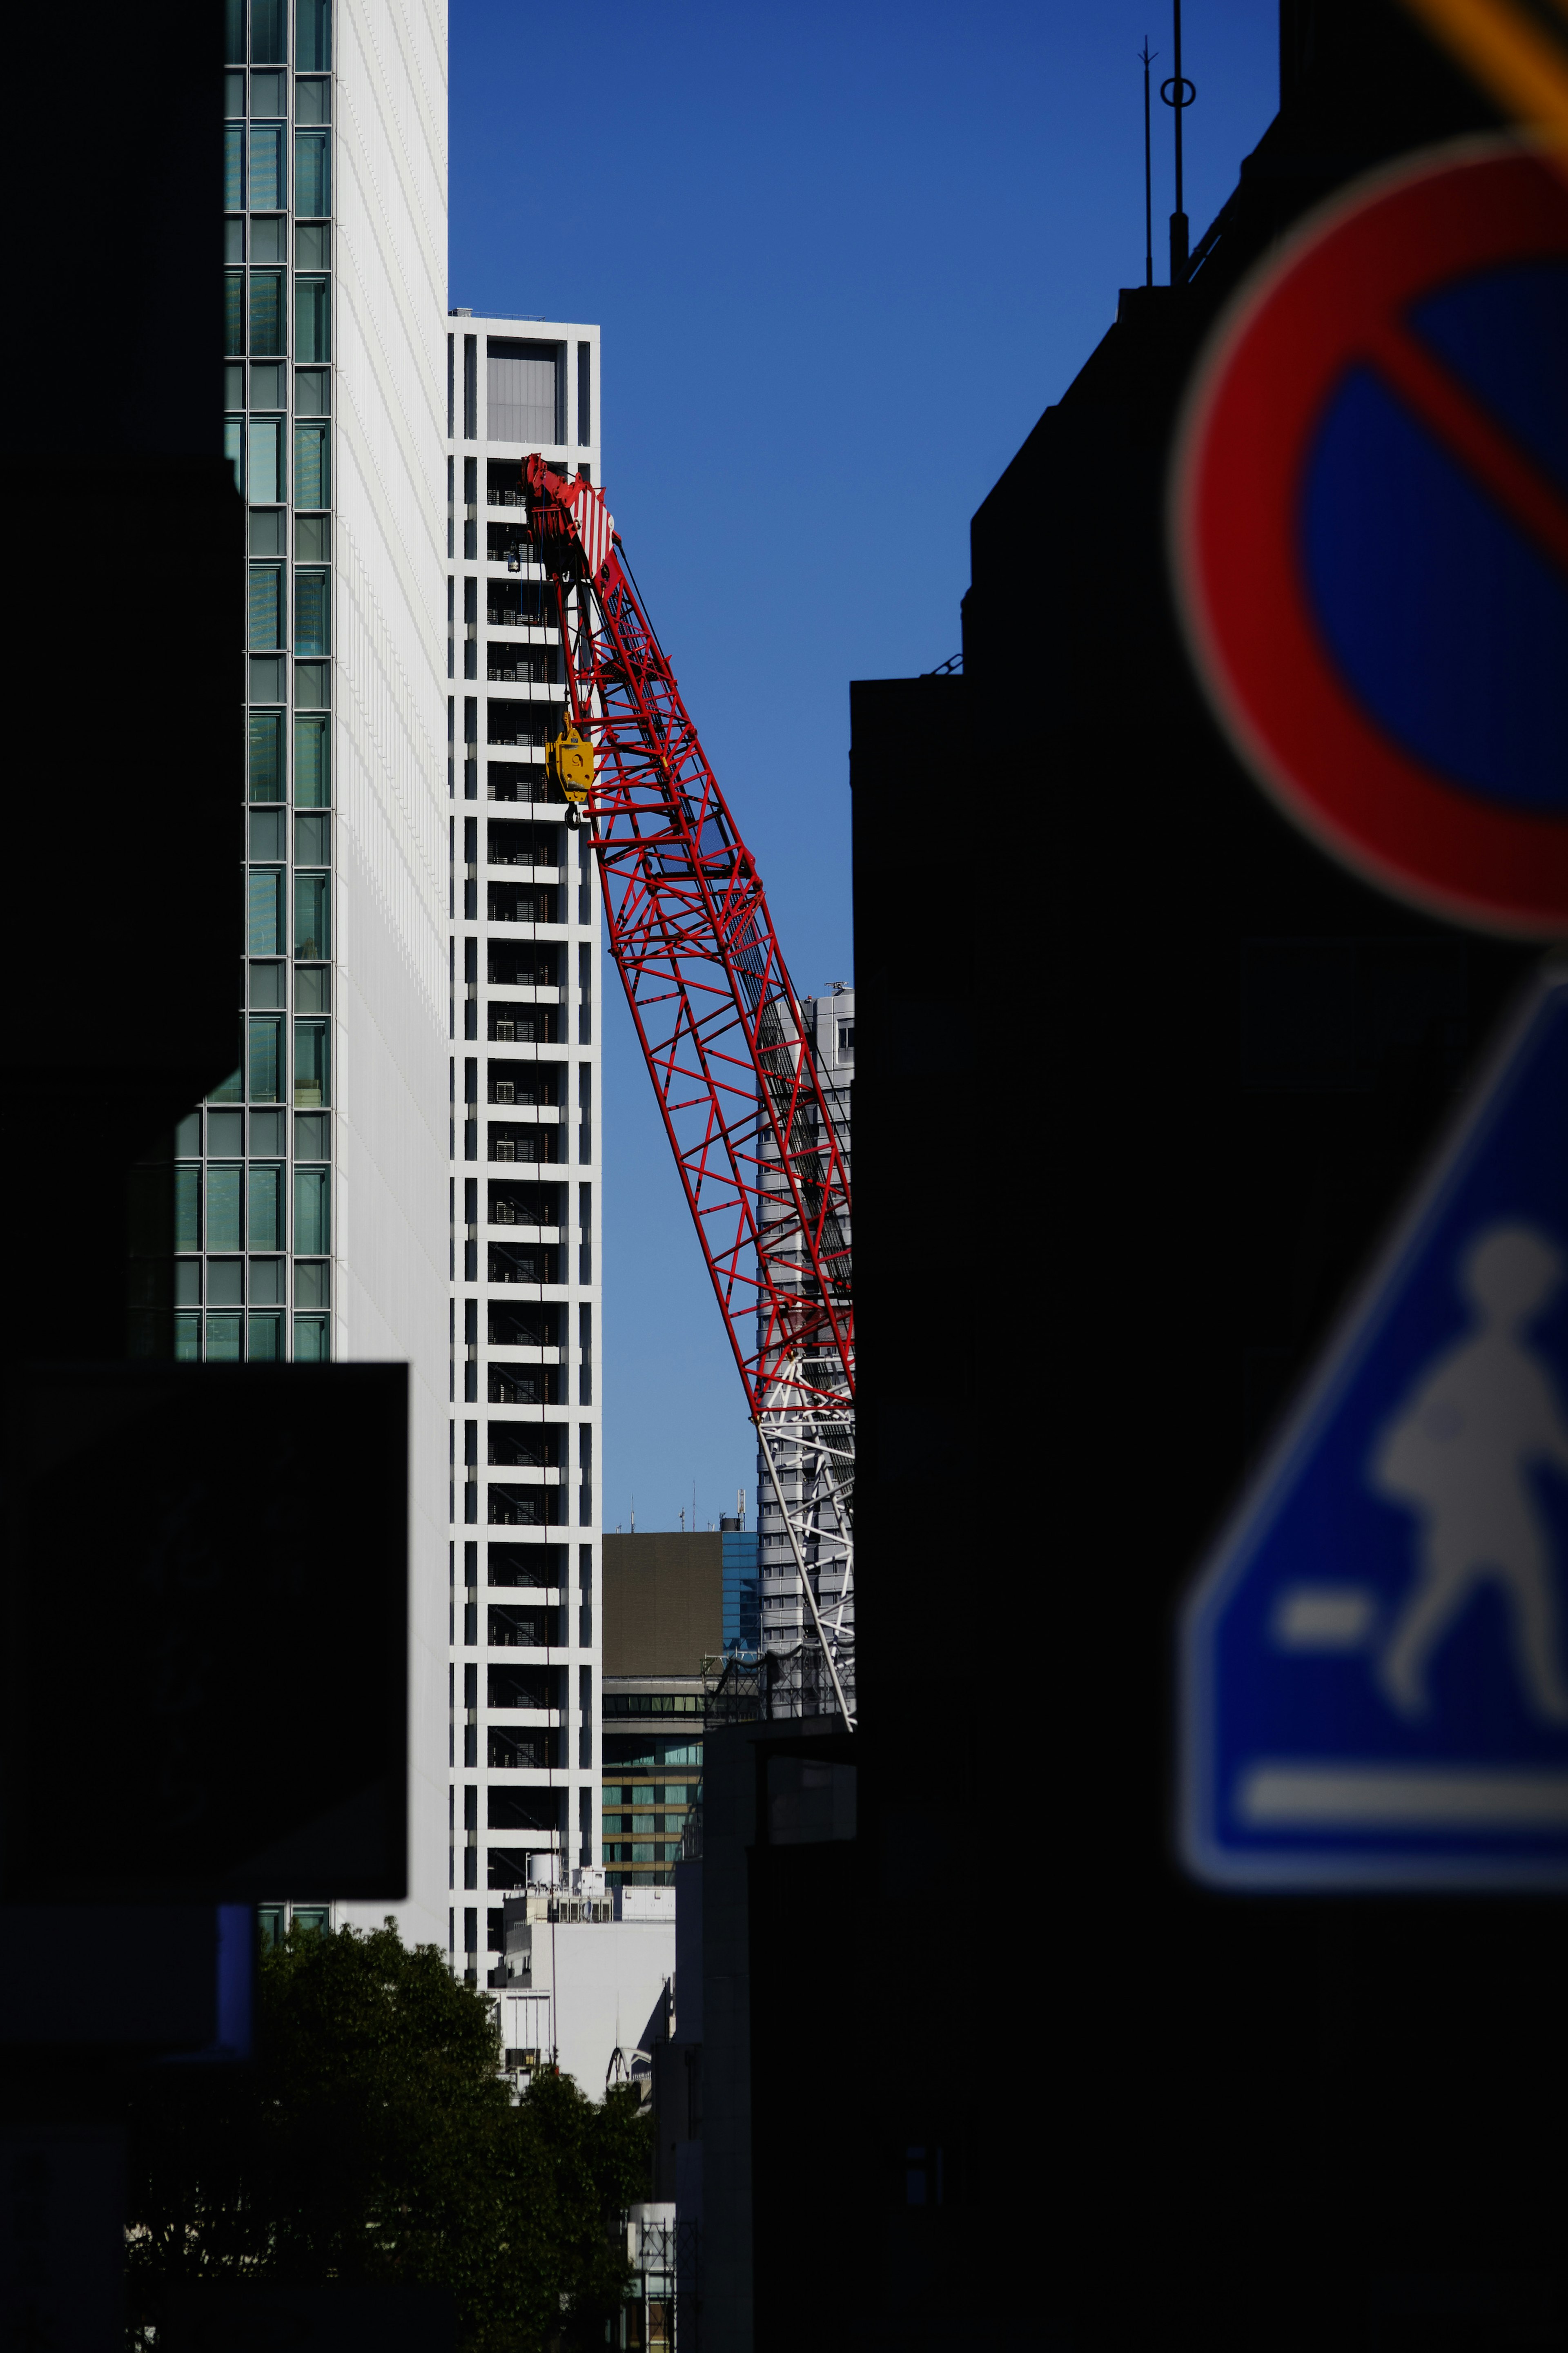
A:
{"x": 569, "y": 763}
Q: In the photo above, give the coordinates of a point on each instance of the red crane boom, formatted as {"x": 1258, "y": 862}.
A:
{"x": 715, "y": 1015}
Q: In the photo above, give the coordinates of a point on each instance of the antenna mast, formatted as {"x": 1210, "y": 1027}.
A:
{"x": 1178, "y": 93}
{"x": 1148, "y": 56}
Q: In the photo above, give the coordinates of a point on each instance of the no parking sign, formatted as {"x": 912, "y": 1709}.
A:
{"x": 1370, "y": 533}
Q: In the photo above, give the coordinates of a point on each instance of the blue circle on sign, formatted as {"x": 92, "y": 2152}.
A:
{"x": 1449, "y": 624}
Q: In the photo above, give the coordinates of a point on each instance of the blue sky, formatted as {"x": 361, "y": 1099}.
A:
{"x": 842, "y": 257}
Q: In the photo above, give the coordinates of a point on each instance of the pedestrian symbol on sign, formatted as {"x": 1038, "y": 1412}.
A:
{"x": 1463, "y": 1456}
{"x": 1374, "y": 1668}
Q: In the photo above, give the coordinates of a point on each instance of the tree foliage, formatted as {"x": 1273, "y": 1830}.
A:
{"x": 371, "y": 2138}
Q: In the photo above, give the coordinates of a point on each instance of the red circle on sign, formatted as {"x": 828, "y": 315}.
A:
{"x": 1335, "y": 299}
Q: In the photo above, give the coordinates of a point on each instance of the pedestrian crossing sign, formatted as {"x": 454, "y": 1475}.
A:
{"x": 1373, "y": 1661}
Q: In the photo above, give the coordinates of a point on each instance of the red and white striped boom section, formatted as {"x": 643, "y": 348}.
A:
{"x": 726, "y": 1047}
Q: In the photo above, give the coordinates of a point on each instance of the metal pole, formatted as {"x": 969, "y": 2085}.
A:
{"x": 1148, "y": 172}
{"x": 800, "y": 1570}
{"x": 1179, "y": 218}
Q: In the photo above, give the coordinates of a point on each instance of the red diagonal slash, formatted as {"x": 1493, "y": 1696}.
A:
{"x": 1468, "y": 434}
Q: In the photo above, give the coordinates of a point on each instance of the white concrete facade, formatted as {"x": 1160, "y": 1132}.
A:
{"x": 524, "y": 1203}
{"x": 336, "y": 233}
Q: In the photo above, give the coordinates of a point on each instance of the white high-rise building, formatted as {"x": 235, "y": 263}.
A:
{"x": 310, "y": 1186}
{"x": 523, "y": 1200}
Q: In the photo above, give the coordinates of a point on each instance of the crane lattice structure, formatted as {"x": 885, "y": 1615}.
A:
{"x": 721, "y": 1031}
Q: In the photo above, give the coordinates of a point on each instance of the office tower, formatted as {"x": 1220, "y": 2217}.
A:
{"x": 309, "y": 1184}
{"x": 743, "y": 1625}
{"x": 663, "y": 1623}
{"x": 523, "y": 1081}
{"x": 808, "y": 1475}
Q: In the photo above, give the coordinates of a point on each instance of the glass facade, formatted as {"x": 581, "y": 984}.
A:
{"x": 651, "y": 1783}
{"x": 253, "y": 1178}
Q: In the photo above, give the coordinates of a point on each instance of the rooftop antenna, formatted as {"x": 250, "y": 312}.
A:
{"x": 740, "y": 1505}
{"x": 1149, "y": 56}
{"x": 633, "y": 1515}
{"x": 1178, "y": 93}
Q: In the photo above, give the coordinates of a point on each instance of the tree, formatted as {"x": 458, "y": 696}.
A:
{"x": 371, "y": 2138}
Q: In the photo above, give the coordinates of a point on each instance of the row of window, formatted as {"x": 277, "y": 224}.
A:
{"x": 312, "y": 682}
{"x": 257, "y": 325}
{"x": 228, "y": 1198}
{"x": 312, "y": 837}
{"x": 270, "y": 96}
{"x": 269, "y": 387}
{"x": 264, "y": 1065}
{"x": 641, "y": 1850}
{"x": 226, "y": 1136}
{"x": 257, "y": 32}
{"x": 226, "y": 1284}
{"x": 312, "y": 760}
{"x": 267, "y": 607}
{"x": 259, "y": 457}
{"x": 265, "y": 914}
{"x": 222, "y": 1339}
{"x": 265, "y": 187}
{"x": 653, "y": 1793}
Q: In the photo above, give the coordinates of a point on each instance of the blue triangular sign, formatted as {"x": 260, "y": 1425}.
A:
{"x": 1375, "y": 1656}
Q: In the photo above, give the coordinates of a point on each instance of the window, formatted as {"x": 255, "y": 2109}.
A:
{"x": 266, "y": 835}
{"x": 265, "y": 460}
{"x": 311, "y": 1282}
{"x": 312, "y": 613}
{"x": 311, "y": 464}
{"x": 313, "y": 35}
{"x": 225, "y": 1188}
{"x": 234, "y": 448}
{"x": 267, "y": 606}
{"x": 312, "y": 686}
{"x": 846, "y": 1042}
{"x": 265, "y": 1053}
{"x": 312, "y": 192}
{"x": 521, "y": 389}
{"x": 268, "y": 190}
{"x": 311, "y": 1340}
{"x": 234, "y": 310}
{"x": 313, "y": 320}
{"x": 312, "y": 915}
{"x": 266, "y": 1339}
{"x": 313, "y": 394}
{"x": 226, "y": 1282}
{"x": 234, "y": 159}
{"x": 470, "y": 388}
{"x": 311, "y": 1221}
{"x": 266, "y": 773}
{"x": 312, "y": 102}
{"x": 268, "y": 44}
{"x": 223, "y": 1339}
{"x": 188, "y": 1339}
{"x": 266, "y": 1209}
{"x": 267, "y": 312}
{"x": 312, "y": 245}
{"x": 312, "y": 841}
{"x": 264, "y": 910}
{"x": 310, "y": 1141}
{"x": 311, "y": 1088}
{"x": 584, "y": 394}
{"x": 188, "y": 1209}
{"x": 311, "y": 764}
